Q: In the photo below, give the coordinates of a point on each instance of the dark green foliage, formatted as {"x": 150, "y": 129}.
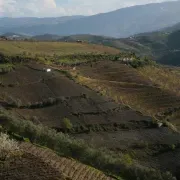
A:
{"x": 141, "y": 62}
{"x": 163, "y": 46}
{"x": 174, "y": 40}
{"x": 170, "y": 58}
{"x": 13, "y": 102}
{"x": 14, "y": 59}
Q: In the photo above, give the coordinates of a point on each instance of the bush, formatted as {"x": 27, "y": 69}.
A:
{"x": 5, "y": 68}
{"x": 141, "y": 62}
{"x": 8, "y": 147}
{"x": 11, "y": 101}
{"x": 67, "y": 124}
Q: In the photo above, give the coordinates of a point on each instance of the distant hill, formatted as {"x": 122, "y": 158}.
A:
{"x": 172, "y": 28}
{"x": 31, "y": 21}
{"x": 16, "y": 36}
{"x": 124, "y": 44}
{"x": 120, "y": 23}
{"x": 164, "y": 46}
{"x": 8, "y": 24}
{"x": 46, "y": 37}
{"x": 86, "y": 37}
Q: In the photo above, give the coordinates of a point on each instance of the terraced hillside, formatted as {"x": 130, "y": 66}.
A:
{"x": 102, "y": 113}
{"x": 167, "y": 79}
{"x": 49, "y": 98}
{"x": 131, "y": 86}
{"x": 55, "y": 100}
{"x": 44, "y": 164}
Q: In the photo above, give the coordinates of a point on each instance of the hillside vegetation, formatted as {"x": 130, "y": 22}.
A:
{"x": 164, "y": 46}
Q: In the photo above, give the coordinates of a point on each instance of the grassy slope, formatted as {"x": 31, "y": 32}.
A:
{"x": 51, "y": 48}
{"x": 166, "y": 78}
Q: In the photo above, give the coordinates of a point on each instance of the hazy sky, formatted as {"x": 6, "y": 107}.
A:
{"x": 44, "y": 8}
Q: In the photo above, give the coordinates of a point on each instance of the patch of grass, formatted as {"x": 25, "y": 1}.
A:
{"x": 68, "y": 61}
{"x": 5, "y": 68}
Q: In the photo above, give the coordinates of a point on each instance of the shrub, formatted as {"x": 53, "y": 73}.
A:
{"x": 67, "y": 124}
{"x": 173, "y": 147}
{"x": 11, "y": 101}
{"x": 141, "y": 62}
{"x": 8, "y": 147}
{"x": 127, "y": 159}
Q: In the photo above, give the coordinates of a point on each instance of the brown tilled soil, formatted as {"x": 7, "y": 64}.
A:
{"x": 43, "y": 164}
{"x": 81, "y": 105}
{"x": 28, "y": 167}
{"x": 96, "y": 119}
{"x": 113, "y": 71}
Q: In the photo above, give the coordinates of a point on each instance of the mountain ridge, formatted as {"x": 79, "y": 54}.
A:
{"x": 119, "y": 23}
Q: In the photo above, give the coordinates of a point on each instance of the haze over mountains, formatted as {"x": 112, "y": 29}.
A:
{"x": 120, "y": 23}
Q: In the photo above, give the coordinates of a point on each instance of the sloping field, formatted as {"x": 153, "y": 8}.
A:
{"x": 51, "y": 48}
{"x": 54, "y": 100}
{"x": 168, "y": 78}
{"x": 113, "y": 71}
{"x": 127, "y": 85}
{"x": 51, "y": 97}
{"x": 43, "y": 164}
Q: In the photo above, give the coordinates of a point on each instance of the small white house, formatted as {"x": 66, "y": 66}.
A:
{"x": 46, "y": 70}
